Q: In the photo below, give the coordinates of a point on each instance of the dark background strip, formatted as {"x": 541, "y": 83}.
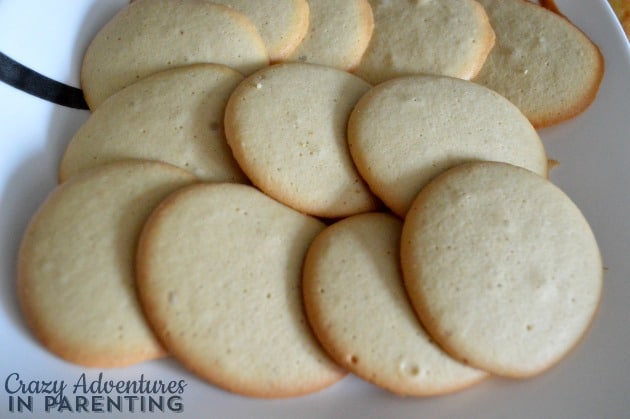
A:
{"x": 36, "y": 84}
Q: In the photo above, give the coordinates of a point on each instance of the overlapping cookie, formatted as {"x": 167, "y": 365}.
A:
{"x": 501, "y": 267}
{"x": 404, "y": 132}
{"x": 219, "y": 271}
{"x": 541, "y": 62}
{"x": 76, "y": 278}
{"x": 356, "y": 302}
{"x": 150, "y": 36}
{"x": 446, "y": 37}
{"x": 286, "y": 125}
{"x": 175, "y": 116}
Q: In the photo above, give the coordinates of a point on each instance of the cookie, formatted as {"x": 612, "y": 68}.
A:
{"x": 219, "y": 271}
{"x": 501, "y": 267}
{"x": 541, "y": 62}
{"x": 282, "y": 24}
{"x": 357, "y": 305}
{"x": 622, "y": 10}
{"x": 338, "y": 33}
{"x": 76, "y": 280}
{"x": 447, "y": 37}
{"x": 286, "y": 126}
{"x": 406, "y": 131}
{"x": 150, "y": 36}
{"x": 175, "y": 116}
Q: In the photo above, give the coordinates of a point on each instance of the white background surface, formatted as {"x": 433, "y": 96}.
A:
{"x": 593, "y": 150}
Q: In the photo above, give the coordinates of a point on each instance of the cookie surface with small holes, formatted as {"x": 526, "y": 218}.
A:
{"x": 356, "y": 302}
{"x": 76, "y": 279}
{"x": 175, "y": 116}
{"x": 150, "y": 36}
{"x": 219, "y": 270}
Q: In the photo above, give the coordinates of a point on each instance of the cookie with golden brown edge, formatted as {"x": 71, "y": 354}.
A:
{"x": 175, "y": 116}
{"x": 219, "y": 271}
{"x": 76, "y": 282}
{"x": 541, "y": 62}
{"x": 286, "y": 126}
{"x": 150, "y": 36}
{"x": 405, "y": 131}
{"x": 444, "y": 37}
{"x": 501, "y": 267}
{"x": 338, "y": 34}
{"x": 282, "y": 24}
{"x": 357, "y": 305}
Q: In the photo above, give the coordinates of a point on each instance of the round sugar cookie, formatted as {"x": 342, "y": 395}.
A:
{"x": 150, "y": 36}
{"x": 286, "y": 126}
{"x": 76, "y": 280}
{"x": 219, "y": 272}
{"x": 444, "y": 37}
{"x": 406, "y": 131}
{"x": 541, "y": 62}
{"x": 175, "y": 116}
{"x": 501, "y": 267}
{"x": 282, "y": 24}
{"x": 338, "y": 33}
{"x": 357, "y": 305}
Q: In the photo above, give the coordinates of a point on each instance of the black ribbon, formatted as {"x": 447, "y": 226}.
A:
{"x": 36, "y": 84}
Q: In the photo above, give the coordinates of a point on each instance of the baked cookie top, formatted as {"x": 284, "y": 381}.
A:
{"x": 286, "y": 126}
{"x": 338, "y": 34}
{"x": 282, "y": 24}
{"x": 541, "y": 62}
{"x": 445, "y": 37}
{"x": 76, "y": 281}
{"x": 175, "y": 116}
{"x": 405, "y": 131}
{"x": 219, "y": 271}
{"x": 501, "y": 267}
{"x": 150, "y": 36}
{"x": 357, "y": 305}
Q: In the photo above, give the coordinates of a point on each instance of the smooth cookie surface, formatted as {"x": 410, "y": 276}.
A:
{"x": 406, "y": 131}
{"x": 501, "y": 267}
{"x": 541, "y": 62}
{"x": 286, "y": 126}
{"x": 445, "y": 37}
{"x": 282, "y": 24}
{"x": 338, "y": 34}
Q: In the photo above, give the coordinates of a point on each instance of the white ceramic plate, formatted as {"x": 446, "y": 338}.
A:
{"x": 593, "y": 149}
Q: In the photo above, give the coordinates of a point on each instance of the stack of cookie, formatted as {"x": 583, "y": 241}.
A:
{"x": 277, "y": 193}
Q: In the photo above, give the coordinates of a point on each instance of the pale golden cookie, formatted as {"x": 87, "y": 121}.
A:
{"x": 356, "y": 302}
{"x": 286, "y": 125}
{"x": 338, "y": 34}
{"x": 282, "y": 24}
{"x": 175, "y": 116}
{"x": 406, "y": 131}
{"x": 150, "y": 36}
{"x": 501, "y": 267}
{"x": 76, "y": 280}
{"x": 445, "y": 37}
{"x": 219, "y": 271}
{"x": 541, "y": 62}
